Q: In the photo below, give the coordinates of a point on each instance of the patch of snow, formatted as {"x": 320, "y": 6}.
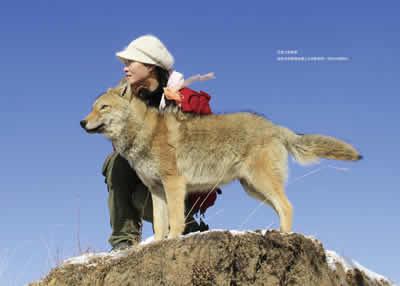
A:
{"x": 232, "y": 231}
{"x": 370, "y": 273}
{"x": 332, "y": 258}
{"x": 238, "y": 232}
{"x": 312, "y": 237}
{"x": 349, "y": 264}
{"x": 148, "y": 240}
{"x": 87, "y": 257}
{"x": 194, "y": 233}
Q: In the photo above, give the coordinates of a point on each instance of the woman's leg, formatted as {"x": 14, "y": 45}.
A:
{"x": 130, "y": 202}
{"x": 122, "y": 182}
{"x": 142, "y": 202}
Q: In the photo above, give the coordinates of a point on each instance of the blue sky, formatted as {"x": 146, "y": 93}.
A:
{"x": 57, "y": 56}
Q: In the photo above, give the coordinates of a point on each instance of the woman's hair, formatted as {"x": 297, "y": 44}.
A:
{"x": 153, "y": 98}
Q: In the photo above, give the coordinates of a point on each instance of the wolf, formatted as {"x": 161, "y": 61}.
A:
{"x": 175, "y": 154}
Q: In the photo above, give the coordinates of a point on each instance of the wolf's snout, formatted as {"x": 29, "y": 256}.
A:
{"x": 83, "y": 124}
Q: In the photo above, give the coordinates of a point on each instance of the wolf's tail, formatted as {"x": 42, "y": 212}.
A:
{"x": 309, "y": 148}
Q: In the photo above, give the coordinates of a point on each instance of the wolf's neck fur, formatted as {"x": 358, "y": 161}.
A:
{"x": 129, "y": 142}
{"x": 125, "y": 140}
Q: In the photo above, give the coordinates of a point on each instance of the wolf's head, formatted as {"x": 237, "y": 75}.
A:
{"x": 109, "y": 115}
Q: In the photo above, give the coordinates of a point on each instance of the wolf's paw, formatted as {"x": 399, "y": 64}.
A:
{"x": 174, "y": 235}
{"x": 158, "y": 237}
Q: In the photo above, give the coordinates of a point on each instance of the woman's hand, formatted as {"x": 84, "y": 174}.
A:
{"x": 172, "y": 94}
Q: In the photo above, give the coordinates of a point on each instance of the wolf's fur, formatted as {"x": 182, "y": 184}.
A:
{"x": 174, "y": 154}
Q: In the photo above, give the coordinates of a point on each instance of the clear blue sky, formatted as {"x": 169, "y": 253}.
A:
{"x": 57, "y": 56}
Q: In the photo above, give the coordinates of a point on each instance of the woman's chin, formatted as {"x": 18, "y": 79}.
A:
{"x": 130, "y": 80}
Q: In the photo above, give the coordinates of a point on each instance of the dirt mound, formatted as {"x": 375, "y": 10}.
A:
{"x": 216, "y": 258}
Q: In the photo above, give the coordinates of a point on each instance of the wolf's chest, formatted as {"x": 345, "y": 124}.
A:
{"x": 147, "y": 170}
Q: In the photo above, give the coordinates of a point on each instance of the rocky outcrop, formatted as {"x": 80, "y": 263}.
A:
{"x": 216, "y": 258}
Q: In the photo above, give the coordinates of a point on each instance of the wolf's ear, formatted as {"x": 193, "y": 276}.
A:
{"x": 122, "y": 87}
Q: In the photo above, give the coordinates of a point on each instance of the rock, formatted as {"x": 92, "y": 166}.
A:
{"x": 216, "y": 258}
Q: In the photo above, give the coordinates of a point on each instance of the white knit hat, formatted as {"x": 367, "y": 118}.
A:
{"x": 148, "y": 49}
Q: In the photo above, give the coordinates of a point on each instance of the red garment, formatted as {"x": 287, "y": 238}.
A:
{"x": 198, "y": 102}
{"x": 193, "y": 101}
{"x": 202, "y": 201}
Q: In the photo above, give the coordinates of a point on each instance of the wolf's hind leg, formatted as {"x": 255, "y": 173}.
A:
{"x": 276, "y": 198}
{"x": 264, "y": 179}
{"x": 175, "y": 190}
{"x": 160, "y": 215}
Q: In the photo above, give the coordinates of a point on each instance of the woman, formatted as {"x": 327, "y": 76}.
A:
{"x": 148, "y": 71}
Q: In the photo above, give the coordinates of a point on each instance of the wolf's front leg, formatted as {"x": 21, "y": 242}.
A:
{"x": 175, "y": 191}
{"x": 160, "y": 215}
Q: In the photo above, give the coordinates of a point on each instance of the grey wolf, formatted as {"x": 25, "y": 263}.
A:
{"x": 175, "y": 154}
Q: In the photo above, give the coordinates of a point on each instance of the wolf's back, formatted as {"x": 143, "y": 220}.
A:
{"x": 309, "y": 148}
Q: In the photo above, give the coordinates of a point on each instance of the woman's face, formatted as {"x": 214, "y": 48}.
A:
{"x": 136, "y": 71}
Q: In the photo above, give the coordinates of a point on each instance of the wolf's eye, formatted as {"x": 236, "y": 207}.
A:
{"x": 103, "y": 107}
